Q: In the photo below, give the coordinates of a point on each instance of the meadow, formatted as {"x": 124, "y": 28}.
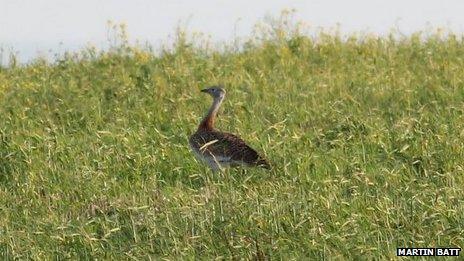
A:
{"x": 365, "y": 134}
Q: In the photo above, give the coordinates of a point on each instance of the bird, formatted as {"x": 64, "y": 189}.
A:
{"x": 220, "y": 150}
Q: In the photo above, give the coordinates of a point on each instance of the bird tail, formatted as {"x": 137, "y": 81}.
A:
{"x": 264, "y": 164}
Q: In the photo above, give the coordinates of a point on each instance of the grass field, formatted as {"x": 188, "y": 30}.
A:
{"x": 366, "y": 135}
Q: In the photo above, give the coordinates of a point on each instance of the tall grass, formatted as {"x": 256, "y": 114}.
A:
{"x": 365, "y": 133}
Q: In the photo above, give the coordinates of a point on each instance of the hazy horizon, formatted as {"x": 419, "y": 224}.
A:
{"x": 32, "y": 28}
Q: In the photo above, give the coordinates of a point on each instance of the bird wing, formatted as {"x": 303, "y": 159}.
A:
{"x": 226, "y": 146}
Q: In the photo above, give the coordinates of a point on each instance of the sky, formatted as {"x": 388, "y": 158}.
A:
{"x": 32, "y": 28}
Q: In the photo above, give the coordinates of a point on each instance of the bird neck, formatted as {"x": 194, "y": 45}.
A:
{"x": 208, "y": 122}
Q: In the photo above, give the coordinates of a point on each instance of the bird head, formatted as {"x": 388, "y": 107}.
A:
{"x": 215, "y": 91}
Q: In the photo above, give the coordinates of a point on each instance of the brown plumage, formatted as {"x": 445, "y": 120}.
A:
{"x": 221, "y": 149}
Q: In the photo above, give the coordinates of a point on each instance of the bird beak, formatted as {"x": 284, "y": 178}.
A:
{"x": 204, "y": 90}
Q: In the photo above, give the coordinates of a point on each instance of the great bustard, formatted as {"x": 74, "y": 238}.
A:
{"x": 221, "y": 149}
